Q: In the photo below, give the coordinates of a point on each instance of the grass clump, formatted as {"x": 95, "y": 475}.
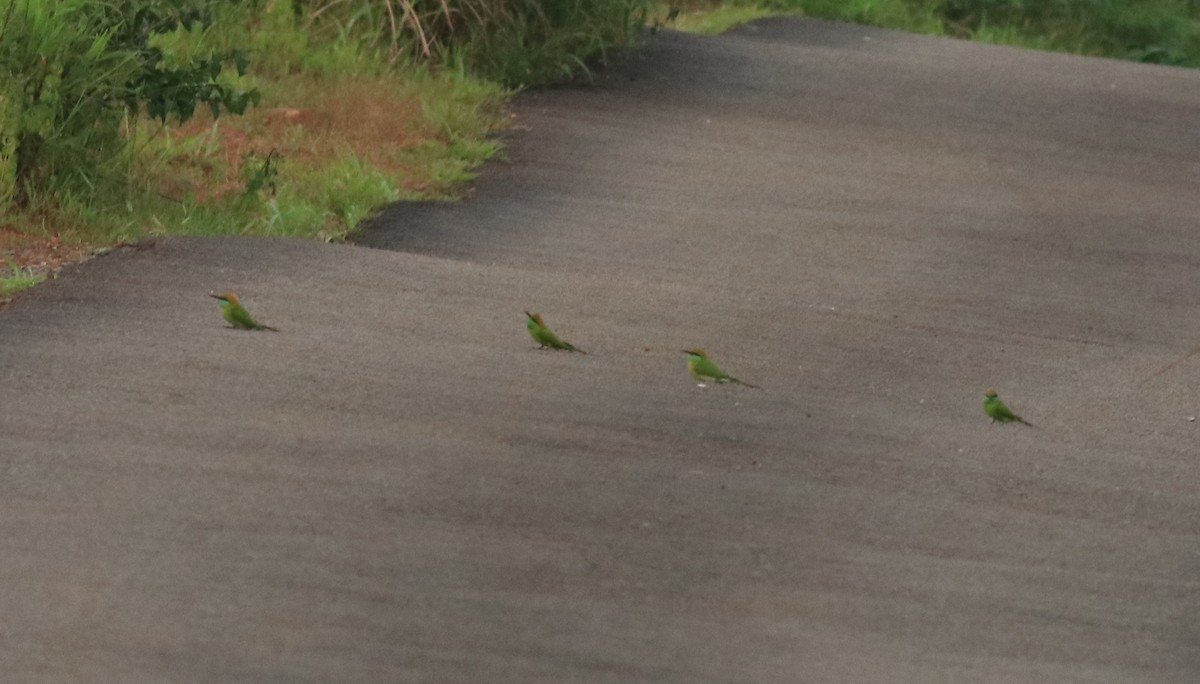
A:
{"x": 319, "y": 157}
{"x": 711, "y": 20}
{"x": 15, "y": 278}
{"x": 512, "y": 42}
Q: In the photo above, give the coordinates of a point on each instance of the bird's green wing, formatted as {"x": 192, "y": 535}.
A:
{"x": 708, "y": 369}
{"x": 998, "y": 410}
{"x": 545, "y": 336}
{"x": 241, "y": 318}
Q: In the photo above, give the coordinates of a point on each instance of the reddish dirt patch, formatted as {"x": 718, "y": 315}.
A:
{"x": 40, "y": 254}
{"x": 370, "y": 118}
{"x": 36, "y": 254}
{"x": 363, "y": 117}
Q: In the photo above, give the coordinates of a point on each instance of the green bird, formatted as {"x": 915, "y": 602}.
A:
{"x": 236, "y": 314}
{"x": 999, "y": 411}
{"x": 703, "y": 369}
{"x": 544, "y": 336}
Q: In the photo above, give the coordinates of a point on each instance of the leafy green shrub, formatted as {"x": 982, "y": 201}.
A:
{"x": 1163, "y": 31}
{"x": 71, "y": 71}
{"x": 1147, "y": 30}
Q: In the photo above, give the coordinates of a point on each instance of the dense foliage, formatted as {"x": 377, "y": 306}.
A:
{"x": 515, "y": 42}
{"x": 71, "y": 74}
{"x": 77, "y": 75}
{"x": 1160, "y": 31}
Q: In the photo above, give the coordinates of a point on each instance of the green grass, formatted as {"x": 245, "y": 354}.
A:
{"x": 18, "y": 279}
{"x": 908, "y": 15}
{"x": 1015, "y": 36}
{"x": 515, "y": 43}
{"x": 716, "y": 16}
{"x": 361, "y": 141}
{"x": 356, "y": 112}
{"x": 372, "y": 130}
{"x": 1158, "y": 31}
{"x": 717, "y": 19}
{"x": 373, "y": 127}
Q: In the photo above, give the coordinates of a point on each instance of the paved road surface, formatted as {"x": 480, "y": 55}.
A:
{"x": 397, "y": 487}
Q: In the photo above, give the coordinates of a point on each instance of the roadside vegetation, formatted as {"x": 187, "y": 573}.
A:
{"x": 13, "y": 278}
{"x": 1157, "y": 31}
{"x": 131, "y": 118}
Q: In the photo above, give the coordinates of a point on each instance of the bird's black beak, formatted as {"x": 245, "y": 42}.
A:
{"x": 216, "y": 296}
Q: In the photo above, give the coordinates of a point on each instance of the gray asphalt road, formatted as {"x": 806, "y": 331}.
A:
{"x": 397, "y": 487}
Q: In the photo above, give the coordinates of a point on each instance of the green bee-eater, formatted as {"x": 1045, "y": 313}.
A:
{"x": 544, "y": 336}
{"x": 236, "y": 314}
{"x": 703, "y": 369}
{"x": 999, "y": 411}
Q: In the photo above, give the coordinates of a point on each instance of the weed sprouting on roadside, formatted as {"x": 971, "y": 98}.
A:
{"x": 14, "y": 278}
{"x": 259, "y": 174}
